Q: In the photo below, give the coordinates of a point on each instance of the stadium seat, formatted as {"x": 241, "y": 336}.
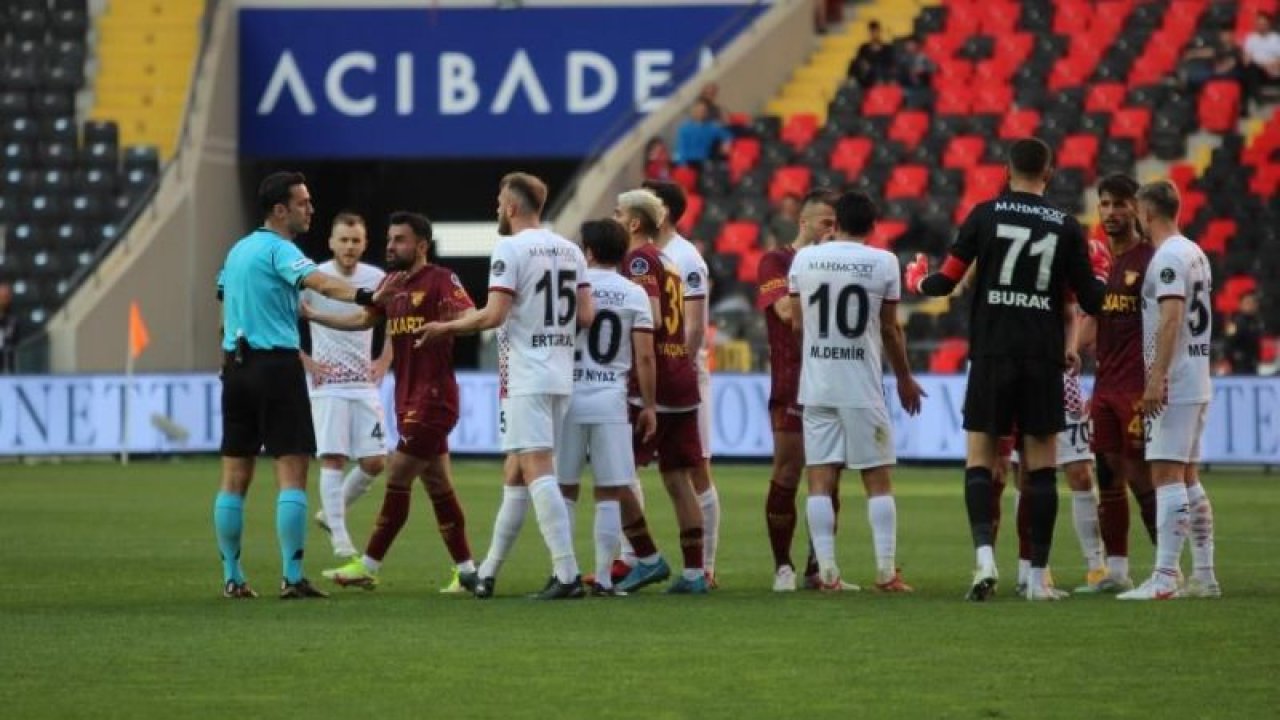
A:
{"x": 909, "y": 127}
{"x": 882, "y": 100}
{"x": 1219, "y": 107}
{"x": 1228, "y": 300}
{"x": 1105, "y": 97}
{"x": 985, "y": 181}
{"x": 1216, "y": 236}
{"x": 749, "y": 265}
{"x": 992, "y": 99}
{"x": 1192, "y": 202}
{"x": 686, "y": 177}
{"x": 907, "y": 181}
{"x": 949, "y": 356}
{"x": 1079, "y": 151}
{"x": 1019, "y": 123}
{"x": 738, "y": 237}
{"x": 800, "y": 130}
{"x": 850, "y": 155}
{"x": 1134, "y": 124}
{"x": 954, "y": 100}
{"x": 885, "y": 233}
{"x": 791, "y": 180}
{"x": 743, "y": 154}
{"x": 964, "y": 151}
{"x": 692, "y": 213}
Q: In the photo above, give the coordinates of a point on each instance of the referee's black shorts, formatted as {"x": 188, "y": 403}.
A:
{"x": 265, "y": 405}
{"x": 1005, "y": 393}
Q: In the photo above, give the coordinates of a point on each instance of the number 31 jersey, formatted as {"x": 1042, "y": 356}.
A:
{"x": 841, "y": 286}
{"x": 542, "y": 272}
{"x": 604, "y": 352}
{"x": 1179, "y": 269}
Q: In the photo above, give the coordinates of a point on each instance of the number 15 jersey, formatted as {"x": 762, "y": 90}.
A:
{"x": 1179, "y": 269}
{"x": 841, "y": 286}
{"x": 542, "y": 272}
{"x": 604, "y": 353}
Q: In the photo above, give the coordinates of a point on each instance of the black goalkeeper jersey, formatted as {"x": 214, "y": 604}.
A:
{"x": 1027, "y": 254}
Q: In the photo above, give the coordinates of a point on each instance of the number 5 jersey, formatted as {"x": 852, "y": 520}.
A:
{"x": 1179, "y": 269}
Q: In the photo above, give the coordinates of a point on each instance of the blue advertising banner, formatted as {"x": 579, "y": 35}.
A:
{"x": 464, "y": 82}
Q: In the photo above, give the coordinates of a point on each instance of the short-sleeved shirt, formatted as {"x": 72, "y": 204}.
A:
{"x": 348, "y": 354}
{"x": 1179, "y": 269}
{"x": 1027, "y": 253}
{"x": 784, "y": 345}
{"x": 1262, "y": 49}
{"x": 259, "y": 284}
{"x": 695, "y": 275}
{"x": 604, "y": 353}
{"x": 649, "y": 268}
{"x": 841, "y": 286}
{"x": 425, "y": 381}
{"x": 542, "y": 272}
{"x": 1119, "y": 343}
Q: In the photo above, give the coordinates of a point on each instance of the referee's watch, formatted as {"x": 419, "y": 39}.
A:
{"x": 364, "y": 296}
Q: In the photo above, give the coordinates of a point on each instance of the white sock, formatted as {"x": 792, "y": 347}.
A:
{"x": 1201, "y": 533}
{"x": 709, "y": 501}
{"x": 571, "y": 507}
{"x": 822, "y": 530}
{"x": 1035, "y": 577}
{"x": 370, "y": 564}
{"x": 355, "y": 485}
{"x": 638, "y": 488}
{"x": 1084, "y": 513}
{"x": 1171, "y": 526}
{"x": 506, "y": 528}
{"x": 335, "y": 511}
{"x": 986, "y": 556}
{"x": 1024, "y": 570}
{"x": 466, "y": 566}
{"x": 1118, "y": 566}
{"x": 608, "y": 533}
{"x": 882, "y": 513}
{"x": 553, "y": 521}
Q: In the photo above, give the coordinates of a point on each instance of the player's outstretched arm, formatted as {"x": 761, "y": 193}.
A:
{"x": 1172, "y": 310}
{"x": 1087, "y": 270}
{"x": 895, "y": 349}
{"x": 493, "y": 314}
{"x": 646, "y": 367}
{"x": 918, "y": 280}
{"x": 360, "y": 320}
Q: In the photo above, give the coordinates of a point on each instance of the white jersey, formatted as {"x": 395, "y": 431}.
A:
{"x": 542, "y": 272}
{"x": 696, "y": 277}
{"x": 1179, "y": 269}
{"x": 348, "y": 354}
{"x": 841, "y": 286}
{"x": 604, "y": 354}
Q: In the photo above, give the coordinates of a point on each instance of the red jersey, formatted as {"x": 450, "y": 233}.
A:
{"x": 424, "y": 376}
{"x": 677, "y": 377}
{"x": 1119, "y": 338}
{"x": 784, "y": 344}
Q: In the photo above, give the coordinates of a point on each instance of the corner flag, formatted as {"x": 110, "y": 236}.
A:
{"x": 139, "y": 338}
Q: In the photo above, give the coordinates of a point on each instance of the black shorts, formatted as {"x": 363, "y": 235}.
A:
{"x": 1007, "y": 393}
{"x": 265, "y": 405}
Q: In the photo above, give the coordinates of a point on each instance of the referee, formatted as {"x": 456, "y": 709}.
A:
{"x": 264, "y": 390}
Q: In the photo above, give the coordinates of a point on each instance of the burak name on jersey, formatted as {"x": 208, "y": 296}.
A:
{"x": 1044, "y": 212}
{"x": 858, "y": 269}
{"x": 551, "y": 340}
{"x": 828, "y": 352}
{"x": 590, "y": 375}
{"x": 1018, "y": 299}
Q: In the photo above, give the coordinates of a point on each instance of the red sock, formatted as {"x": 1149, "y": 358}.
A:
{"x": 394, "y": 512}
{"x": 1113, "y": 518}
{"x": 453, "y": 525}
{"x": 1147, "y": 507}
{"x": 1024, "y": 525}
{"x": 691, "y": 548}
{"x": 780, "y": 516}
{"x": 637, "y": 532}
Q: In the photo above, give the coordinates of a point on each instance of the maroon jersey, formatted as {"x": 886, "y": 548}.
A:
{"x": 1120, "y": 324}
{"x": 784, "y": 344}
{"x": 424, "y": 376}
{"x": 677, "y": 377}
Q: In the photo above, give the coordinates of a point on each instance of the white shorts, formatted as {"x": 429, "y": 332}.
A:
{"x": 609, "y": 447}
{"x": 704, "y": 411}
{"x": 348, "y": 426}
{"x": 1174, "y": 435}
{"x": 1073, "y": 441}
{"x": 389, "y": 427}
{"x": 528, "y": 423}
{"x": 861, "y": 438}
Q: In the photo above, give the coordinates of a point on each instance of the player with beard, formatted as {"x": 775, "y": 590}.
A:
{"x": 426, "y": 398}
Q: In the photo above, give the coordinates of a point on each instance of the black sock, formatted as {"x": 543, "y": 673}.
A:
{"x": 978, "y": 490}
{"x": 1043, "y": 497}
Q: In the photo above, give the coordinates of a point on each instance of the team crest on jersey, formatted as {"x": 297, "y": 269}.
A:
{"x": 694, "y": 280}
{"x": 1167, "y": 276}
{"x": 1130, "y": 277}
{"x": 415, "y": 298}
{"x": 498, "y": 268}
{"x": 639, "y": 266}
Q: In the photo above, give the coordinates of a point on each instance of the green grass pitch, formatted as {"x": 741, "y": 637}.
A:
{"x": 110, "y": 607}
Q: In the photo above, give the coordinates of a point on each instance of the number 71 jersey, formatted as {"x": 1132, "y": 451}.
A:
{"x": 1179, "y": 269}
{"x": 604, "y": 353}
{"x": 542, "y": 272}
{"x": 842, "y": 286}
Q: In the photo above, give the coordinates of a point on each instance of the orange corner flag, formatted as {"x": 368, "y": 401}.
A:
{"x": 139, "y": 338}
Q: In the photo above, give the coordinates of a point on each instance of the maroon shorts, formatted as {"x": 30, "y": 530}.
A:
{"x": 786, "y": 417}
{"x": 677, "y": 443}
{"x": 1117, "y": 424}
{"x": 424, "y": 438}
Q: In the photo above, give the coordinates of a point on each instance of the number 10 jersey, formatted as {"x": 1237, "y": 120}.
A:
{"x": 604, "y": 354}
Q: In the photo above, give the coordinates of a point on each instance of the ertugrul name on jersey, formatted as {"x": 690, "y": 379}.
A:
{"x": 830, "y": 352}
{"x": 590, "y": 375}
{"x": 1047, "y": 214}
{"x": 1017, "y": 299}
{"x": 860, "y": 269}
{"x": 1198, "y": 349}
{"x": 551, "y": 340}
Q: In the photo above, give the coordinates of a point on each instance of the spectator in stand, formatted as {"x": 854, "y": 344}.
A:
{"x": 873, "y": 65}
{"x": 8, "y": 330}
{"x": 709, "y": 94}
{"x": 1261, "y": 58}
{"x": 785, "y": 222}
{"x": 915, "y": 71}
{"x": 1244, "y": 337}
{"x": 700, "y": 138}
{"x": 657, "y": 160}
{"x": 1210, "y": 60}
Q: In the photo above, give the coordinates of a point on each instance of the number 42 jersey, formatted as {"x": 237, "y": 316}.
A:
{"x": 604, "y": 353}
{"x": 1179, "y": 269}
